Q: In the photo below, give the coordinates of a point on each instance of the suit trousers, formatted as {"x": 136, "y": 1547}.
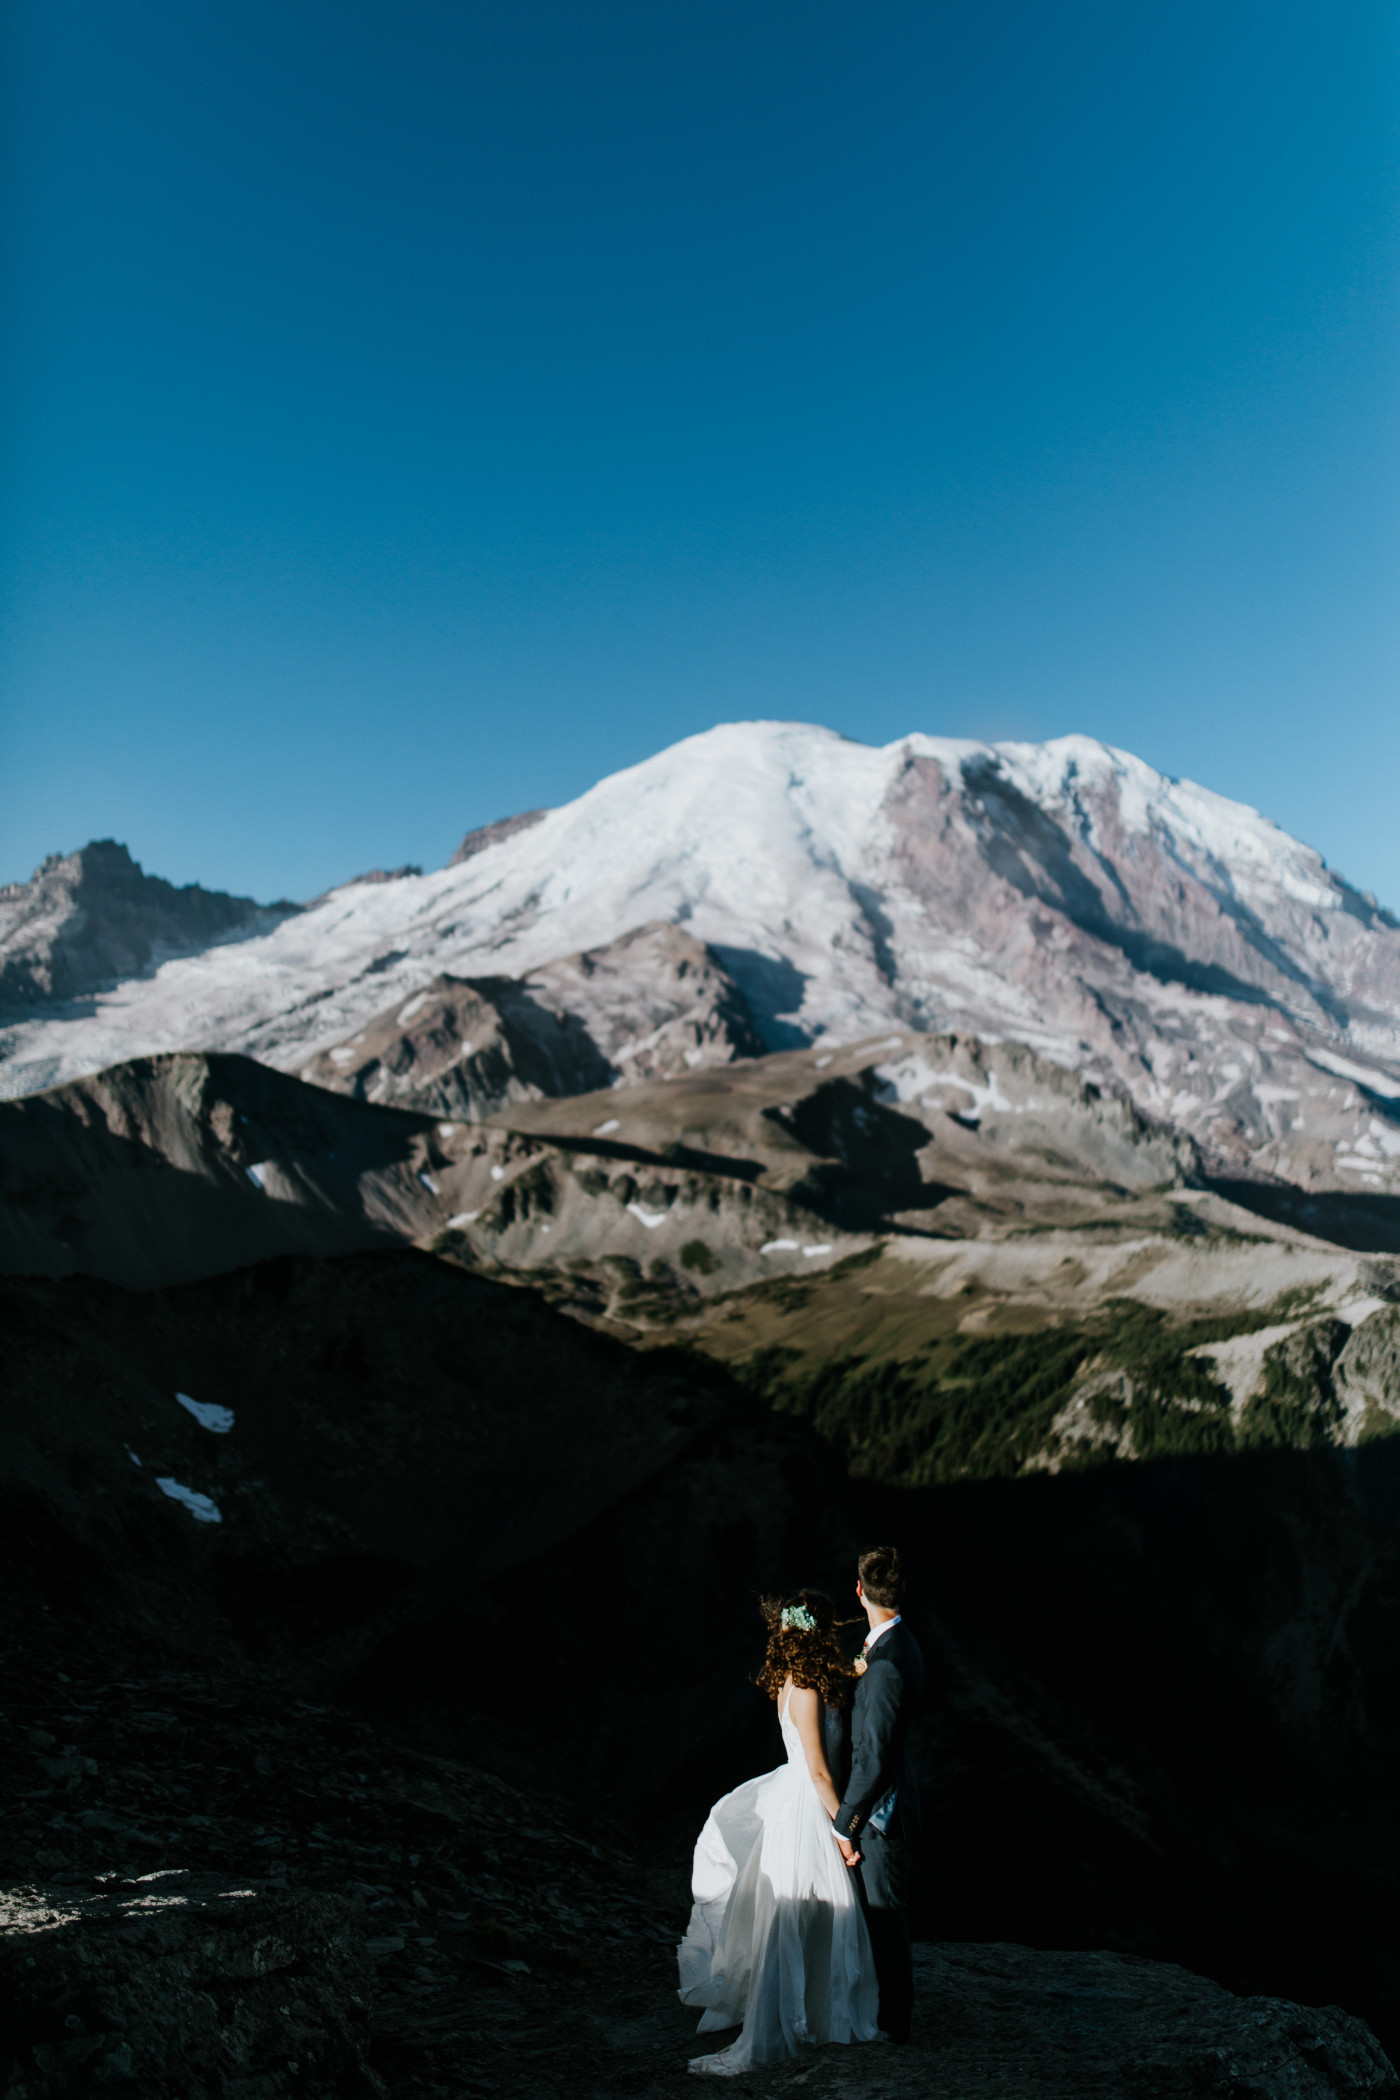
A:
{"x": 884, "y": 1890}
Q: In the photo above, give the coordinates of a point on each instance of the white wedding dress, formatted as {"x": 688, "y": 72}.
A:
{"x": 777, "y": 1938}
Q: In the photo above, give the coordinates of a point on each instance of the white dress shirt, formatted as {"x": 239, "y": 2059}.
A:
{"x": 878, "y": 1632}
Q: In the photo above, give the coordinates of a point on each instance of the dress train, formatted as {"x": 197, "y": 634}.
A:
{"x": 777, "y": 1938}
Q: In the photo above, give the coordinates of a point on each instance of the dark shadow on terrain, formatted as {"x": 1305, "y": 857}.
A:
{"x": 1366, "y": 1224}
{"x": 1164, "y": 1709}
{"x": 772, "y": 988}
{"x": 872, "y": 910}
{"x": 143, "y": 1219}
{"x": 1166, "y": 1715}
{"x": 549, "y": 1050}
{"x": 273, "y": 1602}
{"x": 866, "y": 1164}
{"x": 418, "y": 1455}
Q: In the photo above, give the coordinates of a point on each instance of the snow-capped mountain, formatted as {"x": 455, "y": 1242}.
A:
{"x": 1143, "y": 930}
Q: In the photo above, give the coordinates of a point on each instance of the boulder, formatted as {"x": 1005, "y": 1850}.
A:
{"x": 1001, "y": 2022}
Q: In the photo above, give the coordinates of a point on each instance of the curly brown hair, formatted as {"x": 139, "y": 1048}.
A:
{"x": 811, "y": 1658}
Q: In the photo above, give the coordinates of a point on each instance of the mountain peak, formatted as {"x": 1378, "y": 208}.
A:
{"x": 94, "y": 917}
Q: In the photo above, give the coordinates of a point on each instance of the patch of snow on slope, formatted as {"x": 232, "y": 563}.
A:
{"x": 1364, "y": 1075}
{"x": 913, "y": 1080}
{"x": 199, "y": 1506}
{"x": 208, "y": 1414}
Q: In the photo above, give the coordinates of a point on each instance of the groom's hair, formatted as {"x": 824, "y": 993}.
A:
{"x": 881, "y": 1577}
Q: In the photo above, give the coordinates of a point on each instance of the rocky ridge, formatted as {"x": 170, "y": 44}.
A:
{"x": 869, "y": 1228}
{"x": 181, "y": 1166}
{"x": 242, "y": 1892}
{"x": 652, "y": 1004}
{"x": 85, "y": 921}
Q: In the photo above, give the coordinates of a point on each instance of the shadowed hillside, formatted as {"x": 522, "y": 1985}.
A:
{"x": 1165, "y": 1698}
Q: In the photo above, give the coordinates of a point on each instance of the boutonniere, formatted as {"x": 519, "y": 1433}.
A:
{"x": 860, "y": 1666}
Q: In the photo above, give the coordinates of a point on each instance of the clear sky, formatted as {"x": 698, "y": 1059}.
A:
{"x": 417, "y": 411}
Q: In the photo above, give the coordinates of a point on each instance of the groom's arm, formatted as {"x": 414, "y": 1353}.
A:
{"x": 872, "y": 1768}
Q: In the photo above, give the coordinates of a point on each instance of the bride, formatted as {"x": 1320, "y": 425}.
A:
{"x": 777, "y": 1938}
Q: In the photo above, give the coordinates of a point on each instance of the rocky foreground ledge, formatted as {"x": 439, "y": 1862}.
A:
{"x": 177, "y": 1986}
{"x": 182, "y": 1984}
{"x": 999, "y": 2022}
{"x": 211, "y": 1890}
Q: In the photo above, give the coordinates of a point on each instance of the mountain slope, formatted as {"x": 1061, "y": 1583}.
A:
{"x": 171, "y": 1168}
{"x": 1144, "y": 931}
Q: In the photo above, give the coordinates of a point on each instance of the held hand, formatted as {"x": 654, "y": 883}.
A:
{"x": 848, "y": 1850}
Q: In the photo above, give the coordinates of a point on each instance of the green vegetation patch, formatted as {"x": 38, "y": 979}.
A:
{"x": 982, "y": 1406}
{"x": 969, "y": 1410}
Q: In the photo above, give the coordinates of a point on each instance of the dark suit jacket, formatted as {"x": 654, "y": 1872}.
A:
{"x": 886, "y": 1700}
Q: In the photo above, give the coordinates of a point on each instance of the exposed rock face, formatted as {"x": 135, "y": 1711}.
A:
{"x": 86, "y": 920}
{"x": 464, "y": 1047}
{"x": 653, "y": 1003}
{"x": 182, "y": 1987}
{"x": 493, "y": 834}
{"x": 1131, "y": 917}
{"x": 783, "y": 1166}
{"x": 657, "y": 1002}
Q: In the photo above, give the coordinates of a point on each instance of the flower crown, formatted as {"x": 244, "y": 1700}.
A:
{"x": 797, "y": 1615}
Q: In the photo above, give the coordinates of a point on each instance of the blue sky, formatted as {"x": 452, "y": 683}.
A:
{"x": 418, "y": 412}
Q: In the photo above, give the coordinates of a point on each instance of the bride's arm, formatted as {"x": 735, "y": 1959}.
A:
{"x": 805, "y": 1709}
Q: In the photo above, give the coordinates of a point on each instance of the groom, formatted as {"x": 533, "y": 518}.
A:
{"x": 879, "y": 1814}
